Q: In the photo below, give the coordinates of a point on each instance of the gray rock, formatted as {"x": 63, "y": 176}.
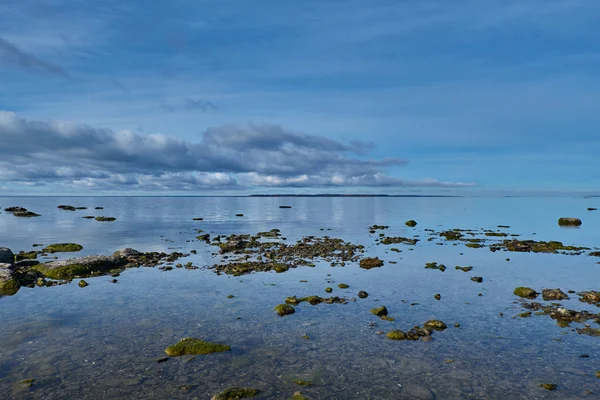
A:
{"x": 8, "y": 281}
{"x": 6, "y": 256}
{"x": 127, "y": 253}
{"x": 554, "y": 294}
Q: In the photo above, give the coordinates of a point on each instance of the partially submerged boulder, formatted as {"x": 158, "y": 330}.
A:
{"x": 569, "y": 221}
{"x": 284, "y": 309}
{"x": 6, "y": 256}
{"x": 9, "y": 284}
{"x": 525, "y": 292}
{"x": 80, "y": 266}
{"x": 370, "y": 262}
{"x": 554, "y": 294}
{"x": 194, "y": 346}
{"x": 62, "y": 248}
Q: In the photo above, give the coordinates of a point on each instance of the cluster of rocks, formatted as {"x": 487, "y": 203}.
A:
{"x": 21, "y": 212}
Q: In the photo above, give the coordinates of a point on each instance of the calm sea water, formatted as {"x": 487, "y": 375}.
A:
{"x": 102, "y": 341}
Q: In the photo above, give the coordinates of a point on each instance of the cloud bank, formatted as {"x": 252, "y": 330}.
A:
{"x": 61, "y": 154}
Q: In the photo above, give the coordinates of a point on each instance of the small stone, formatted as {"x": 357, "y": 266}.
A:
{"x": 83, "y": 283}
{"x": 548, "y": 386}
{"x": 363, "y": 295}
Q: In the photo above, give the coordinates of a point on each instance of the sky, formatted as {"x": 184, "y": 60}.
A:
{"x": 211, "y": 97}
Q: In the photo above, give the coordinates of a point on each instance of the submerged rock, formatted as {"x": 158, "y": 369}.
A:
{"x": 371, "y": 262}
{"x": 62, "y": 248}
{"x": 380, "y": 311}
{"x": 6, "y": 256}
{"x": 284, "y": 309}
{"x": 554, "y": 294}
{"x": 525, "y": 292}
{"x": 411, "y": 223}
{"x": 568, "y": 221}
{"x": 396, "y": 335}
{"x": 193, "y": 346}
{"x": 548, "y": 386}
{"x": 236, "y": 393}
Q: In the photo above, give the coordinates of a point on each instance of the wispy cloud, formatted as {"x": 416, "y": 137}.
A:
{"x": 189, "y": 105}
{"x": 10, "y": 53}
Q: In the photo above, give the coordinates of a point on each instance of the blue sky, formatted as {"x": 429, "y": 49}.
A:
{"x": 202, "y": 97}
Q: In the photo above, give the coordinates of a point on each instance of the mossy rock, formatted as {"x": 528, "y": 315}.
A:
{"x": 548, "y": 386}
{"x": 525, "y": 292}
{"x": 83, "y": 283}
{"x": 328, "y": 290}
{"x": 302, "y": 383}
{"x": 284, "y": 309}
{"x": 9, "y": 285}
{"x": 67, "y": 272}
{"x": 380, "y": 311}
{"x": 343, "y": 286}
{"x": 193, "y": 346}
{"x": 435, "y": 324}
{"x": 411, "y": 223}
{"x": 62, "y": 248}
{"x": 362, "y": 294}
{"x": 236, "y": 393}
{"x": 372, "y": 262}
{"x": 568, "y": 221}
{"x": 396, "y": 335}
{"x": 298, "y": 396}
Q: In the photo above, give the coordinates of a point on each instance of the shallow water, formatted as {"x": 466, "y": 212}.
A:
{"x": 103, "y": 341}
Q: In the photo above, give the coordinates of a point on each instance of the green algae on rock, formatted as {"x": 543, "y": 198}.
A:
{"x": 380, "y": 311}
{"x": 412, "y": 223}
{"x": 302, "y": 383}
{"x": 362, "y": 294}
{"x": 9, "y": 284}
{"x": 399, "y": 239}
{"x": 464, "y": 269}
{"x": 83, "y": 283}
{"x": 569, "y": 221}
{"x": 477, "y": 279}
{"x": 297, "y": 396}
{"x": 236, "y": 393}
{"x": 284, "y": 309}
{"x": 62, "y": 248}
{"x": 525, "y": 292}
{"x": 434, "y": 265}
{"x": 548, "y": 386}
{"x": 328, "y": 290}
{"x": 396, "y": 335}
{"x": 371, "y": 262}
{"x": 435, "y": 324}
{"x": 343, "y": 286}
{"x": 193, "y": 346}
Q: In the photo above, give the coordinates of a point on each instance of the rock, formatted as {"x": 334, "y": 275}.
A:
{"x": 525, "y": 292}
{"x": 6, "y": 256}
{"x": 14, "y": 209}
{"x": 363, "y": 295}
{"x": 127, "y": 253}
{"x": 25, "y": 214}
{"x": 437, "y": 296}
{"x": 371, "y": 262}
{"x": 9, "y": 284}
{"x": 380, "y": 311}
{"x": 567, "y": 221}
{"x": 66, "y": 208}
{"x": 477, "y": 279}
{"x": 396, "y": 335}
{"x": 592, "y": 209}
{"x": 198, "y": 219}
{"x": 343, "y": 286}
{"x": 62, "y": 248}
{"x": 328, "y": 290}
{"x": 239, "y": 215}
{"x": 284, "y": 309}
{"x": 435, "y": 324}
{"x": 83, "y": 283}
{"x": 194, "y": 346}
{"x": 81, "y": 266}
{"x": 298, "y": 396}
{"x": 411, "y": 223}
{"x": 105, "y": 219}
{"x": 99, "y": 208}
{"x": 285, "y": 206}
{"x": 548, "y": 386}
{"x": 416, "y": 392}
{"x": 236, "y": 393}
{"x": 554, "y": 294}
{"x": 591, "y": 297}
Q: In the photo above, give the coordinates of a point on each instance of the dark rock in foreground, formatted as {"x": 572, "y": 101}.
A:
{"x": 9, "y": 284}
{"x": 6, "y": 256}
{"x": 554, "y": 294}
{"x": 525, "y": 292}
{"x": 81, "y": 266}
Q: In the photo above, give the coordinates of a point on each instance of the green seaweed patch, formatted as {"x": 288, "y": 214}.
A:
{"x": 302, "y": 383}
{"x": 67, "y": 272}
{"x": 399, "y": 239}
{"x": 193, "y": 346}
{"x": 62, "y": 248}
{"x": 236, "y": 393}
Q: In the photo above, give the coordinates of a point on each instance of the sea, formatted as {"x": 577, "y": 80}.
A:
{"x": 107, "y": 340}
